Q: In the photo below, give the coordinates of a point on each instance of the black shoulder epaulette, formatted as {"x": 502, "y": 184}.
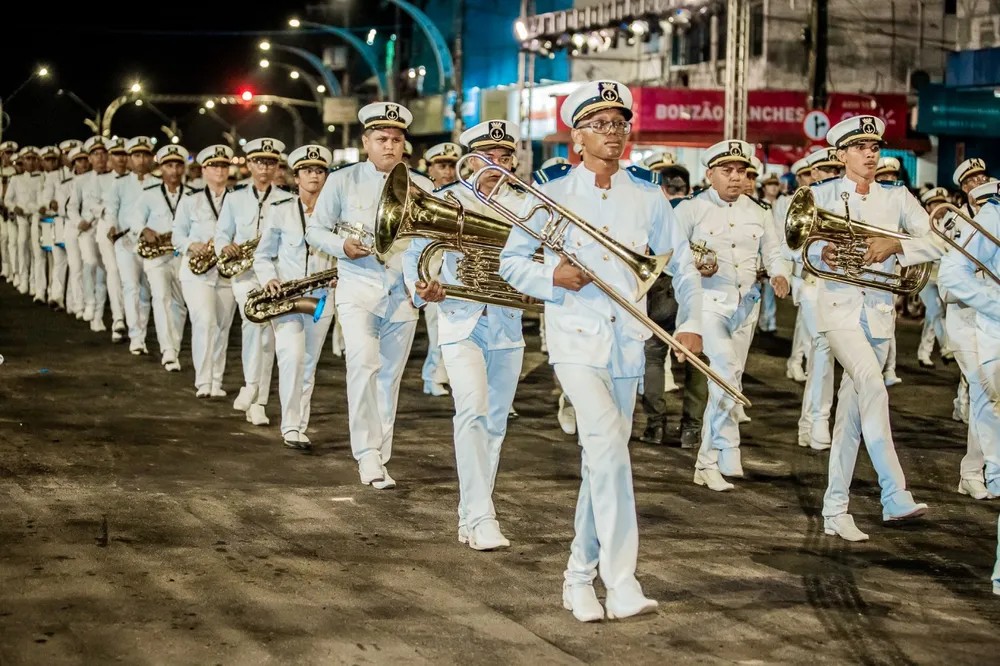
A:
{"x": 342, "y": 166}
{"x": 824, "y": 181}
{"x": 644, "y": 174}
{"x": 121, "y": 175}
{"x": 676, "y": 201}
{"x": 36, "y": 174}
{"x": 890, "y": 183}
{"x": 240, "y": 187}
{"x": 284, "y": 188}
{"x": 551, "y": 173}
{"x": 760, "y": 202}
{"x": 195, "y": 190}
{"x": 278, "y": 203}
{"x": 150, "y": 187}
{"x": 995, "y": 200}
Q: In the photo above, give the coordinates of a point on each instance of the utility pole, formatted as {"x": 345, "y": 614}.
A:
{"x": 737, "y": 54}
{"x": 818, "y": 64}
{"x": 458, "y": 126}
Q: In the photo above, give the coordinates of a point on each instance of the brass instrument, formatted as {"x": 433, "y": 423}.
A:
{"x": 199, "y": 264}
{"x": 644, "y": 268}
{"x": 806, "y": 224}
{"x": 703, "y": 255}
{"x": 357, "y": 232}
{"x": 406, "y": 211}
{"x": 260, "y": 307}
{"x": 162, "y": 246}
{"x": 942, "y": 220}
{"x": 241, "y": 262}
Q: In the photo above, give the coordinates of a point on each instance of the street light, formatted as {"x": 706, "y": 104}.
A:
{"x": 264, "y": 45}
{"x": 136, "y": 87}
{"x": 321, "y": 89}
{"x": 265, "y": 63}
{"x": 41, "y": 72}
{"x": 294, "y": 74}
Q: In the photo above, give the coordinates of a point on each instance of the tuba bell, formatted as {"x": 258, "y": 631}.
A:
{"x": 806, "y": 223}
{"x": 943, "y": 224}
{"x": 260, "y": 307}
{"x": 406, "y": 211}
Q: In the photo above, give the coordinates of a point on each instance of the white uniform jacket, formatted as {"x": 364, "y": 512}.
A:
{"x": 243, "y": 216}
{"x": 120, "y": 206}
{"x": 888, "y": 206}
{"x": 958, "y": 274}
{"x": 350, "y": 195}
{"x": 283, "y": 253}
{"x": 50, "y": 188}
{"x": 739, "y": 233}
{"x": 156, "y": 209}
{"x": 23, "y": 192}
{"x": 457, "y": 319}
{"x": 195, "y": 222}
{"x": 586, "y": 327}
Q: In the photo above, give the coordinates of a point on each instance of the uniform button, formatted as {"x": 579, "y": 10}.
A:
{"x": 862, "y": 292}
{"x": 731, "y": 224}
{"x": 612, "y": 318}
{"x": 734, "y": 244}
{"x": 579, "y": 330}
{"x": 605, "y": 257}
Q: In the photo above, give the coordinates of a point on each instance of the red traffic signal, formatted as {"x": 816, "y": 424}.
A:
{"x": 246, "y": 95}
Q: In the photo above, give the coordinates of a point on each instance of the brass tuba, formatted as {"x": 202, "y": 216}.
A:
{"x": 241, "y": 262}
{"x": 199, "y": 264}
{"x": 644, "y": 268}
{"x": 406, "y": 211}
{"x": 805, "y": 224}
{"x": 260, "y": 308}
{"x": 162, "y": 246}
{"x": 943, "y": 225}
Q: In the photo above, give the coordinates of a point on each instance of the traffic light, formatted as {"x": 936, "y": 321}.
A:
{"x": 246, "y": 95}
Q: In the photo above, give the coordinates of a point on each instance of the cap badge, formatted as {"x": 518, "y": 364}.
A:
{"x": 735, "y": 149}
{"x": 391, "y": 112}
{"x": 312, "y": 153}
{"x": 497, "y": 132}
{"x": 608, "y": 91}
{"x": 448, "y": 149}
{"x": 267, "y": 145}
{"x": 868, "y": 125}
{"x": 220, "y": 151}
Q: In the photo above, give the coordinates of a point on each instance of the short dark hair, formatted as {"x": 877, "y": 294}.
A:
{"x": 675, "y": 179}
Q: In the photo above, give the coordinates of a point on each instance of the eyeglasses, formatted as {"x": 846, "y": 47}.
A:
{"x": 311, "y": 170}
{"x": 605, "y": 126}
{"x": 265, "y": 161}
{"x": 499, "y": 159}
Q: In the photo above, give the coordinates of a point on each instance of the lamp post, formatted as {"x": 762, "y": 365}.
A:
{"x": 331, "y": 82}
{"x": 93, "y": 119}
{"x": 363, "y": 48}
{"x": 41, "y": 73}
{"x": 295, "y": 73}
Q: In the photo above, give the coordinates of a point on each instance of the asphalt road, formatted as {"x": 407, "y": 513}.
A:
{"x": 142, "y": 526}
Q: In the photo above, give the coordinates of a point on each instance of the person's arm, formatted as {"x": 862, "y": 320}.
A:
{"x": 958, "y": 274}
{"x": 183, "y": 222}
{"x": 517, "y": 264}
{"x": 924, "y": 246}
{"x": 319, "y": 232}
{"x": 411, "y": 257}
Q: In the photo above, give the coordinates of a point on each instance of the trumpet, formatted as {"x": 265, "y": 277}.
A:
{"x": 943, "y": 224}
{"x": 162, "y": 246}
{"x": 357, "y": 232}
{"x": 260, "y": 307}
{"x": 552, "y": 236}
{"x": 806, "y": 223}
{"x": 240, "y": 263}
{"x": 199, "y": 264}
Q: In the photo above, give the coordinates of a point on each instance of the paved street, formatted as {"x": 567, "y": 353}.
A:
{"x": 142, "y": 526}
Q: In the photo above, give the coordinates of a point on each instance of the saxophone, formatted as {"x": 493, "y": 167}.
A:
{"x": 241, "y": 262}
{"x": 260, "y": 307}
{"x": 162, "y": 246}
{"x": 202, "y": 263}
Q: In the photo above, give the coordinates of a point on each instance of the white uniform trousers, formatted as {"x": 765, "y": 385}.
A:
{"x": 113, "y": 280}
{"x": 39, "y": 264}
{"x": 933, "y": 327}
{"x": 74, "y": 276}
{"x": 169, "y": 311}
{"x": 862, "y": 409}
{"x": 4, "y": 252}
{"x": 483, "y": 383}
{"x": 298, "y": 344}
{"x": 817, "y": 397}
{"x": 376, "y": 352}
{"x": 23, "y": 254}
{"x": 211, "y": 308}
{"x": 433, "y": 369}
{"x": 95, "y": 287}
{"x": 606, "y": 529}
{"x": 960, "y": 324}
{"x": 57, "y": 275}
{"x": 257, "y": 345}
{"x": 801, "y": 342}
{"x": 726, "y": 349}
{"x": 985, "y": 405}
{"x": 135, "y": 292}
{"x": 768, "y": 321}
{"x": 889, "y": 367}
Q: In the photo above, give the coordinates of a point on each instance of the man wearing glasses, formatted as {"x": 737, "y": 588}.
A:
{"x": 596, "y": 348}
{"x": 859, "y": 321}
{"x": 241, "y": 219}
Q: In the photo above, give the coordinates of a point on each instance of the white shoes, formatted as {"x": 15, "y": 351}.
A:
{"x": 960, "y": 411}
{"x": 97, "y": 325}
{"x": 256, "y": 416}
{"x": 487, "y": 536}
{"x": 890, "y": 378}
{"x": 906, "y": 511}
{"x": 138, "y": 349}
{"x": 794, "y": 371}
{"x": 713, "y": 479}
{"x": 463, "y": 533}
{"x": 370, "y": 469}
{"x": 844, "y": 527}
{"x": 974, "y": 488}
{"x": 88, "y": 313}
{"x": 202, "y": 393}
{"x": 244, "y": 399}
{"x": 296, "y": 440}
{"x": 730, "y": 463}
{"x": 172, "y": 366}
{"x": 435, "y": 389}
{"x": 386, "y": 483}
{"x": 566, "y": 415}
{"x": 582, "y": 601}
{"x": 819, "y": 436}
{"x": 628, "y": 601}
{"x": 217, "y": 392}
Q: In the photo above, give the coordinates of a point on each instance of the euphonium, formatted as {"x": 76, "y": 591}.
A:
{"x": 162, "y": 246}
{"x": 199, "y": 264}
{"x": 943, "y": 225}
{"x": 406, "y": 211}
{"x": 241, "y": 262}
{"x": 260, "y": 308}
{"x": 806, "y": 224}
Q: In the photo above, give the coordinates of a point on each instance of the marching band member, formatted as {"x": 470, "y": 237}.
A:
{"x": 933, "y": 326}
{"x": 859, "y": 321}
{"x": 51, "y": 160}
{"x": 154, "y": 216}
{"x": 737, "y": 230}
{"x": 8, "y": 228}
{"x": 887, "y": 170}
{"x": 768, "y": 319}
{"x": 21, "y": 200}
{"x": 441, "y": 159}
{"x": 209, "y": 296}
{"x": 85, "y": 212}
{"x": 61, "y": 291}
{"x": 282, "y": 255}
{"x": 801, "y": 342}
{"x": 482, "y": 346}
{"x": 374, "y": 309}
{"x": 596, "y": 348}
{"x": 968, "y": 175}
{"x": 119, "y": 205}
{"x": 241, "y": 219}
{"x": 96, "y": 194}
{"x": 50, "y": 210}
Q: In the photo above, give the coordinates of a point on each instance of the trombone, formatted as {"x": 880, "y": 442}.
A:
{"x": 943, "y": 219}
{"x": 552, "y": 236}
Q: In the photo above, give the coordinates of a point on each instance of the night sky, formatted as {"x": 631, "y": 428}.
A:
{"x": 175, "y": 48}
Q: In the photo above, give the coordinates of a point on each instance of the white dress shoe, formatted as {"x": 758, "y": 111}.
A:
{"x": 370, "y": 469}
{"x": 294, "y": 440}
{"x": 244, "y": 399}
{"x": 805, "y": 436}
{"x": 172, "y": 366}
{"x": 202, "y": 393}
{"x": 628, "y": 602}
{"x": 386, "y": 483}
{"x": 256, "y": 415}
{"x": 974, "y": 488}
{"x": 794, "y": 371}
{"x": 88, "y": 313}
{"x": 891, "y": 379}
{"x": 582, "y": 601}
{"x": 435, "y": 389}
{"x": 463, "y": 533}
{"x": 487, "y": 536}
{"x": 820, "y": 435}
{"x": 138, "y": 350}
{"x": 97, "y": 325}
{"x": 713, "y": 479}
{"x": 907, "y": 512}
{"x": 217, "y": 392}
{"x": 730, "y": 463}
{"x": 844, "y": 527}
{"x": 116, "y": 337}
{"x": 566, "y": 415}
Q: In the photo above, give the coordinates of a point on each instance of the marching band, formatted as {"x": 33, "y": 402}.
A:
{"x": 86, "y": 227}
